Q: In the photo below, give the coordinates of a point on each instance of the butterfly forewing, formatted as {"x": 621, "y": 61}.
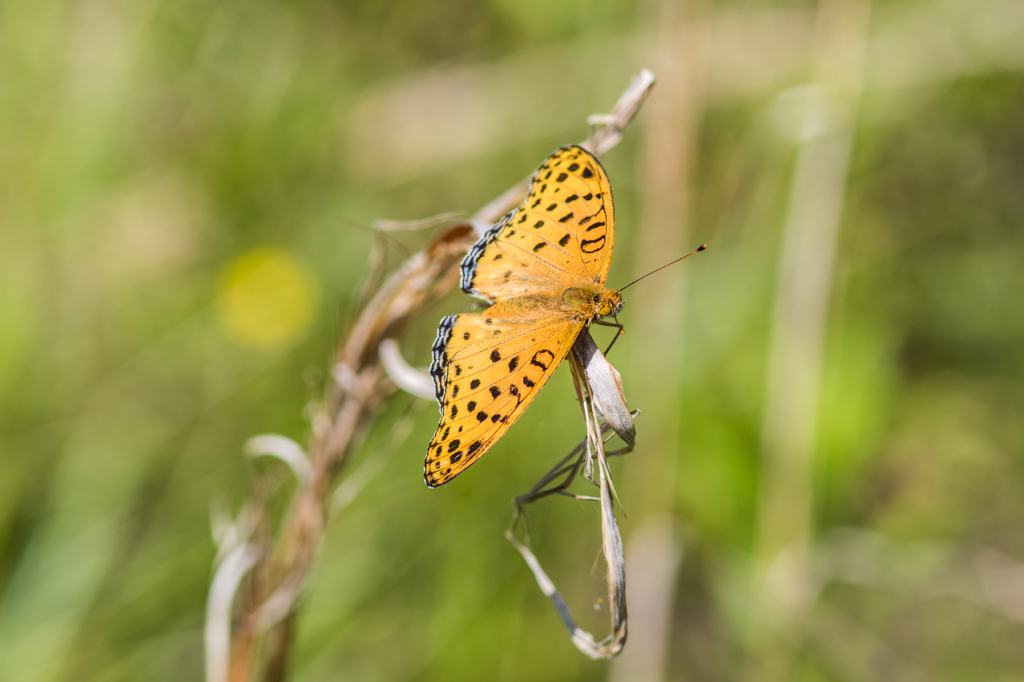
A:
{"x": 487, "y": 371}
{"x": 563, "y": 232}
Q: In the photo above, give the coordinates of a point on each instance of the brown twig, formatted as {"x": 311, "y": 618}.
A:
{"x": 277, "y": 564}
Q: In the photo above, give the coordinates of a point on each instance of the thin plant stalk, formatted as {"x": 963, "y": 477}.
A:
{"x": 782, "y": 585}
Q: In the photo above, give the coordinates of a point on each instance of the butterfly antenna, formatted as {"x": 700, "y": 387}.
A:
{"x": 697, "y": 250}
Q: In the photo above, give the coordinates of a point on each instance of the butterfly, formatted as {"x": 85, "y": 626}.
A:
{"x": 542, "y": 268}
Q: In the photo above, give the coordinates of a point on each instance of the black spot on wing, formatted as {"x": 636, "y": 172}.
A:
{"x": 542, "y": 358}
{"x": 592, "y": 245}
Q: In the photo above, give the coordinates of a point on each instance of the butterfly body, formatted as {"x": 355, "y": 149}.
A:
{"x": 593, "y": 301}
{"x": 583, "y": 302}
{"x": 542, "y": 268}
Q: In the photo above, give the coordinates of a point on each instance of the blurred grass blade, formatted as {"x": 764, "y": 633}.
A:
{"x": 217, "y": 634}
{"x": 284, "y": 449}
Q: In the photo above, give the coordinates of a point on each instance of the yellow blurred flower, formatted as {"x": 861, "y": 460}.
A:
{"x": 267, "y": 298}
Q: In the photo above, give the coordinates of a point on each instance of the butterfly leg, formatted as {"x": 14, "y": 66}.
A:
{"x": 570, "y": 471}
{"x": 562, "y": 468}
{"x": 569, "y": 467}
{"x": 619, "y": 333}
{"x": 539, "y": 490}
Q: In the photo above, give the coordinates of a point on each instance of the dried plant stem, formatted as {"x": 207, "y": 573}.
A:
{"x": 785, "y": 518}
{"x": 668, "y": 159}
{"x": 589, "y": 384}
{"x": 280, "y": 559}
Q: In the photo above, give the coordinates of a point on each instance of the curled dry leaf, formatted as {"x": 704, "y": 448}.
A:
{"x": 605, "y": 384}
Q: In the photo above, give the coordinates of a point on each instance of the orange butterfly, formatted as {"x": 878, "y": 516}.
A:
{"x": 543, "y": 268}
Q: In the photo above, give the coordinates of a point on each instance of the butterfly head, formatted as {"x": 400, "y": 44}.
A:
{"x": 610, "y": 304}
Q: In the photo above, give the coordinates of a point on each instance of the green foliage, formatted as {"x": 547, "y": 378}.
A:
{"x": 148, "y": 146}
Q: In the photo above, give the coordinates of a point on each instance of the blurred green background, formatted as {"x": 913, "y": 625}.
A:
{"x": 183, "y": 188}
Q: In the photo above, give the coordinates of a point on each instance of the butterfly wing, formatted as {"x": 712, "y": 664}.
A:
{"x": 563, "y": 232}
{"x": 486, "y": 372}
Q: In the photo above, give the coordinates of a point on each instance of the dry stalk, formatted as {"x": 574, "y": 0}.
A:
{"x": 267, "y": 567}
{"x": 600, "y": 395}
{"x": 781, "y": 595}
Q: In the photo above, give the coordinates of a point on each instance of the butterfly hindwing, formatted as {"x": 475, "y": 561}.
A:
{"x": 487, "y": 369}
{"x": 563, "y": 231}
